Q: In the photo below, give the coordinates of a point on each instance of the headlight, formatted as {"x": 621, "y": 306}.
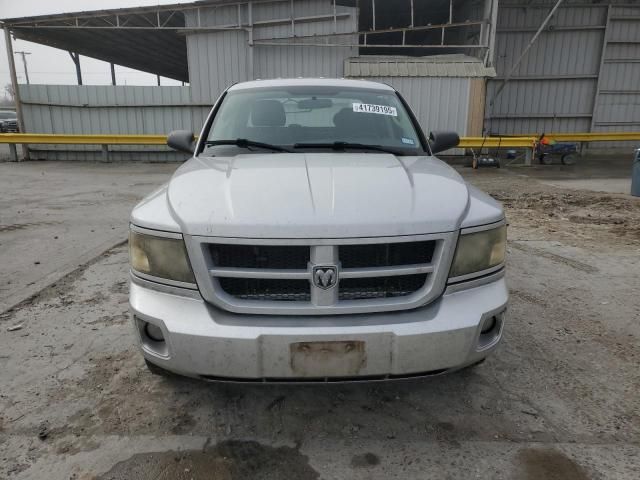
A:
{"x": 160, "y": 257}
{"x": 479, "y": 251}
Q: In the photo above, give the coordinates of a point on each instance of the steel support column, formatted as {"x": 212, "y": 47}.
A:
{"x": 492, "y": 31}
{"x": 16, "y": 89}
{"x": 603, "y": 53}
{"x": 373, "y": 14}
{"x": 105, "y": 153}
{"x": 75, "y": 57}
{"x": 528, "y": 156}
{"x": 250, "y": 39}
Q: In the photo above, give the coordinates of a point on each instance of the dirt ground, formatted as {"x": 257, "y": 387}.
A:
{"x": 64, "y": 216}
{"x": 559, "y": 400}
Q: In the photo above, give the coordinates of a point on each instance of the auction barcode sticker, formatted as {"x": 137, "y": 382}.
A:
{"x": 379, "y": 109}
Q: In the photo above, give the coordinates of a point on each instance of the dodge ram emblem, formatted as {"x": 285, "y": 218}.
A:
{"x": 325, "y": 277}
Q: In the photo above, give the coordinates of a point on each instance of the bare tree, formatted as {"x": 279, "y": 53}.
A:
{"x": 10, "y": 93}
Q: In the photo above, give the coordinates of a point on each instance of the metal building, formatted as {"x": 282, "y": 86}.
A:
{"x": 579, "y": 75}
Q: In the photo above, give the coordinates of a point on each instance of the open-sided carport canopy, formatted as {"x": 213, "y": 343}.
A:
{"x": 149, "y": 39}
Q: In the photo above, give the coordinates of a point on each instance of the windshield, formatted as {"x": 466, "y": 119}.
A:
{"x": 5, "y": 115}
{"x": 294, "y": 117}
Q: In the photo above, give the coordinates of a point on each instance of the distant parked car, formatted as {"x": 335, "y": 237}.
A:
{"x": 8, "y": 121}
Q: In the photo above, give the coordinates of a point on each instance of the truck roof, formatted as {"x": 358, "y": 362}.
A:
{"x": 315, "y": 82}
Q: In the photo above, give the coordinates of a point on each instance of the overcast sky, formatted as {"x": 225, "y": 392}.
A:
{"x": 49, "y": 65}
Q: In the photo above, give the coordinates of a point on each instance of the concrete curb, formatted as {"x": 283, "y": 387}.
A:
{"x": 30, "y": 291}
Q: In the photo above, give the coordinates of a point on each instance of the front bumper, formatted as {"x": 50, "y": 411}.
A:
{"x": 206, "y": 342}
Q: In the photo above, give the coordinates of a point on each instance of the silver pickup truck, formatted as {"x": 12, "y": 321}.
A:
{"x": 314, "y": 236}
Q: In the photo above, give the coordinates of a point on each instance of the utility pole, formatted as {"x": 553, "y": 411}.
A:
{"x": 113, "y": 74}
{"x": 158, "y": 77}
{"x": 76, "y": 60}
{"x": 24, "y": 62}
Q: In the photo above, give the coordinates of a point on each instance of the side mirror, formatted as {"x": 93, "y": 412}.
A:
{"x": 441, "y": 141}
{"x": 182, "y": 140}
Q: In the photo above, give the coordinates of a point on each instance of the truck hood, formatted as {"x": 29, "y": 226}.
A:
{"x": 316, "y": 195}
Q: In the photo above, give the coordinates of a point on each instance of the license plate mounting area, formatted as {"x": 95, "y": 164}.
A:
{"x": 328, "y": 359}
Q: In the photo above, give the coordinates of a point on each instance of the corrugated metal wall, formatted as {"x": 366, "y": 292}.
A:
{"x": 219, "y": 59}
{"x": 581, "y": 75}
{"x": 438, "y": 103}
{"x": 102, "y": 109}
{"x": 274, "y": 62}
{"x": 295, "y": 61}
{"x": 618, "y": 100}
{"x": 216, "y": 60}
{"x": 554, "y": 88}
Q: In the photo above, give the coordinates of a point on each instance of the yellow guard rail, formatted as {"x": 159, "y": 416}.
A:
{"x": 527, "y": 142}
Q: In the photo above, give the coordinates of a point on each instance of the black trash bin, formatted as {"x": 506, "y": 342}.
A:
{"x": 635, "y": 174}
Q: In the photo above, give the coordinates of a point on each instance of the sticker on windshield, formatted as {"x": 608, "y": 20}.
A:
{"x": 408, "y": 141}
{"x": 378, "y": 109}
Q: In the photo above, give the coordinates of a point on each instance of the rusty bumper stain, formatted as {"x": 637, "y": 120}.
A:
{"x": 328, "y": 359}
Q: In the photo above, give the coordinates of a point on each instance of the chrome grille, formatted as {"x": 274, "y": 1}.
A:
{"x": 274, "y": 277}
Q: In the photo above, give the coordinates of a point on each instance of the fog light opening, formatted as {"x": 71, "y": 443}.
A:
{"x": 488, "y": 325}
{"x": 154, "y": 332}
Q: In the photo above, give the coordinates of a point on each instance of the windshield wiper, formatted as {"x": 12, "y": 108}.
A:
{"x": 244, "y": 143}
{"x": 349, "y": 145}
